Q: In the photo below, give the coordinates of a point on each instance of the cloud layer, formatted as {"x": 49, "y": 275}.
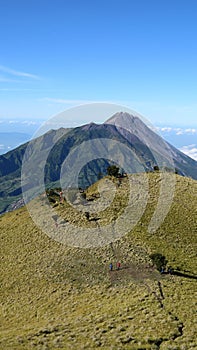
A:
{"x": 177, "y": 131}
{"x": 190, "y": 150}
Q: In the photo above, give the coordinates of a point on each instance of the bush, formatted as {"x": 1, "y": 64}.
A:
{"x": 113, "y": 170}
{"x": 159, "y": 260}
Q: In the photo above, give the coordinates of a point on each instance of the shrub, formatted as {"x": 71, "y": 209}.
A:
{"x": 159, "y": 260}
{"x": 113, "y": 170}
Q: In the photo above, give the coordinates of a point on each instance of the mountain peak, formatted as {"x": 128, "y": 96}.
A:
{"x": 89, "y": 126}
{"x": 131, "y": 123}
{"x": 121, "y": 117}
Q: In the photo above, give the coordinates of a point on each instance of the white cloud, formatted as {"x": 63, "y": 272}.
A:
{"x": 29, "y": 122}
{"x": 178, "y": 131}
{"x": 13, "y": 121}
{"x": 190, "y": 150}
{"x": 166, "y": 129}
{"x": 20, "y": 122}
{"x": 17, "y": 73}
{"x": 191, "y": 131}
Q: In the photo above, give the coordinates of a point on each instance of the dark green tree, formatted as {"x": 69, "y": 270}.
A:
{"x": 159, "y": 260}
{"x": 113, "y": 170}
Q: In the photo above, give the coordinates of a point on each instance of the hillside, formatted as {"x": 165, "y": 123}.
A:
{"x": 58, "y": 297}
{"x": 11, "y": 164}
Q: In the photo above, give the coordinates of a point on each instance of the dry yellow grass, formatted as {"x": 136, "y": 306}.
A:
{"x": 58, "y": 297}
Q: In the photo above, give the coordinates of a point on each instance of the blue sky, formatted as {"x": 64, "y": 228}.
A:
{"x": 57, "y": 54}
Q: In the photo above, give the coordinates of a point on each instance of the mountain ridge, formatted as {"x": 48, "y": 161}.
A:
{"x": 127, "y": 129}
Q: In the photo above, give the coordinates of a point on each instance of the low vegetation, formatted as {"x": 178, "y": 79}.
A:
{"x": 159, "y": 261}
{"x": 59, "y": 297}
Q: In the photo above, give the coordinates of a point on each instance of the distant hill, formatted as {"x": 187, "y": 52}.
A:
{"x": 147, "y": 150}
{"x": 54, "y": 296}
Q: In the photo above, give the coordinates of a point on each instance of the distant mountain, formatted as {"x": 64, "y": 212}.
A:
{"x": 129, "y": 125}
{"x": 142, "y": 150}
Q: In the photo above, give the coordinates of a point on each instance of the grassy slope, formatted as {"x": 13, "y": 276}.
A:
{"x": 56, "y": 297}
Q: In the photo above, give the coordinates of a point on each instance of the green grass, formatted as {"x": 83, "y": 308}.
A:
{"x": 58, "y": 297}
